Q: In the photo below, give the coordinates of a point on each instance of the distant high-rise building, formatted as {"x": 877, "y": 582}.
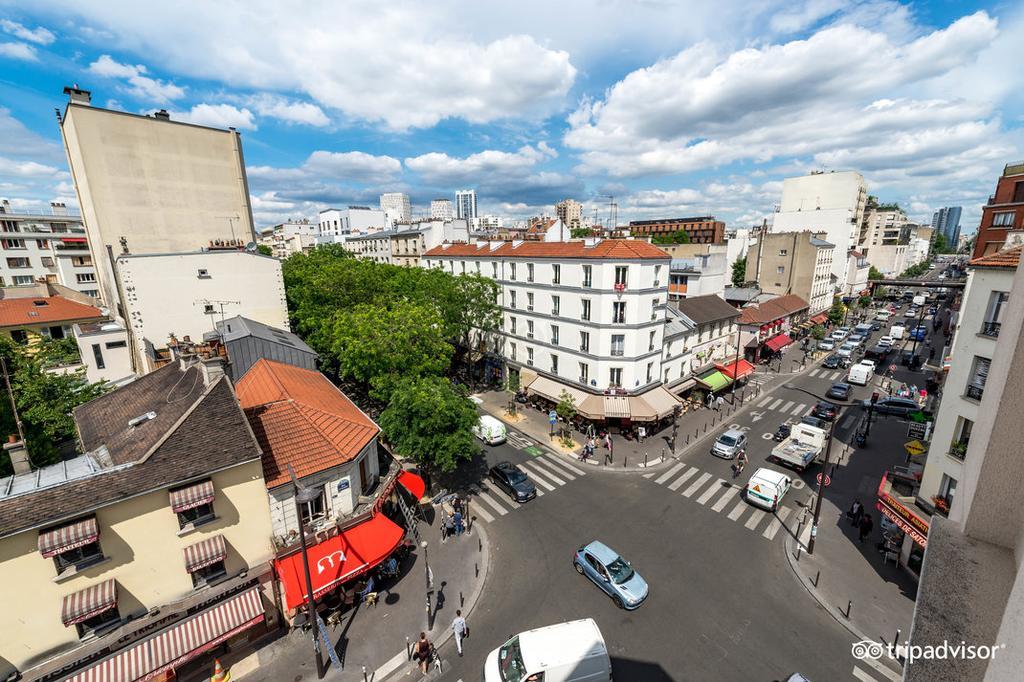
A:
{"x": 441, "y": 209}
{"x": 397, "y": 206}
{"x": 946, "y": 221}
{"x": 570, "y": 212}
{"x": 465, "y": 204}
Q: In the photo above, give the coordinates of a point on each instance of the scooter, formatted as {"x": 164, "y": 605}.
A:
{"x": 782, "y": 433}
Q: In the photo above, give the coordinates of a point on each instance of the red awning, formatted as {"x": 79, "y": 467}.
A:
{"x": 73, "y": 240}
{"x": 745, "y": 369}
{"x": 192, "y": 496}
{"x": 413, "y": 483}
{"x": 65, "y": 538}
{"x": 820, "y": 318}
{"x": 338, "y": 559}
{"x": 92, "y": 601}
{"x": 180, "y": 643}
{"x": 778, "y": 342}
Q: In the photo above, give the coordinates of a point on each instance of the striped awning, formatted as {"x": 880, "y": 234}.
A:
{"x": 192, "y": 496}
{"x": 65, "y": 538}
{"x": 205, "y": 553}
{"x": 180, "y": 643}
{"x": 616, "y": 407}
{"x": 90, "y": 602}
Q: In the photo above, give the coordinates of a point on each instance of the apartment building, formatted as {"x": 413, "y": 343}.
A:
{"x": 147, "y": 184}
{"x": 946, "y": 221}
{"x": 441, "y": 209}
{"x": 396, "y": 206}
{"x": 586, "y": 316}
{"x": 697, "y": 269}
{"x": 30, "y": 314}
{"x": 465, "y": 204}
{"x": 712, "y": 345}
{"x": 352, "y": 220}
{"x": 857, "y": 270}
{"x": 570, "y": 212}
{"x": 972, "y": 587}
{"x": 700, "y": 229}
{"x": 405, "y": 244}
{"x": 49, "y": 247}
{"x": 800, "y": 263}
{"x": 765, "y": 328}
{"x": 1004, "y": 212}
{"x": 133, "y": 559}
{"x": 285, "y": 239}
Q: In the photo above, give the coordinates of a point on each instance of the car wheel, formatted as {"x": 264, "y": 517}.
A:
{"x": 618, "y": 602}
{"x": 576, "y": 565}
{"x": 512, "y": 496}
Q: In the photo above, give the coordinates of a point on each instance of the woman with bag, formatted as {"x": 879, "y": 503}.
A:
{"x": 421, "y": 654}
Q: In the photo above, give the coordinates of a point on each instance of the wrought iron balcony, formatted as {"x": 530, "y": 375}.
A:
{"x": 990, "y": 329}
{"x": 974, "y": 392}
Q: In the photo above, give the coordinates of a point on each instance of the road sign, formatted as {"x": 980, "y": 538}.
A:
{"x": 892, "y": 368}
{"x": 915, "y": 447}
{"x": 917, "y": 430}
{"x": 553, "y": 417}
{"x": 828, "y": 480}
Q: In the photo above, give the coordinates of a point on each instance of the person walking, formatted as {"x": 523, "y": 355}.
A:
{"x": 457, "y": 517}
{"x": 856, "y": 511}
{"x": 421, "y": 654}
{"x": 449, "y": 525}
{"x": 711, "y": 400}
{"x": 719, "y": 403}
{"x": 460, "y": 630}
{"x": 866, "y": 525}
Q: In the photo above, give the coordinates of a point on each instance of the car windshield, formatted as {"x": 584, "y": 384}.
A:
{"x": 516, "y": 476}
{"x": 510, "y": 661}
{"x": 620, "y": 571}
{"x": 726, "y": 440}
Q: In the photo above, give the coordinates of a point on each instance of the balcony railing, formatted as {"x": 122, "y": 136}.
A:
{"x": 620, "y": 287}
{"x": 974, "y": 392}
{"x": 554, "y": 340}
{"x": 958, "y": 449}
{"x": 618, "y": 352}
{"x": 990, "y": 329}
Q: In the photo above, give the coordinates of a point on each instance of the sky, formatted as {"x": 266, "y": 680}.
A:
{"x": 672, "y": 108}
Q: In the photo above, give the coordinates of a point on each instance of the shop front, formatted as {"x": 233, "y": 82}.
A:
{"x": 905, "y": 525}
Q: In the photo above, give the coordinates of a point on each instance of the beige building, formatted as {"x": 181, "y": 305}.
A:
{"x": 147, "y": 184}
{"x": 570, "y": 212}
{"x": 405, "y": 244}
{"x": 285, "y": 239}
{"x": 134, "y": 558}
{"x": 798, "y": 263}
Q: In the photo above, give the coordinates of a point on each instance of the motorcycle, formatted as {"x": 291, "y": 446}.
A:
{"x": 782, "y": 433}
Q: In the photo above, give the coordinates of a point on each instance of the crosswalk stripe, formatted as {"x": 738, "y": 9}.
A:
{"x": 478, "y": 510}
{"x": 669, "y": 474}
{"x": 764, "y": 402}
{"x": 778, "y": 401}
{"x": 538, "y": 477}
{"x": 490, "y": 500}
{"x": 798, "y": 409}
{"x": 650, "y": 475}
{"x": 814, "y": 372}
{"x": 755, "y": 519}
{"x": 835, "y": 375}
{"x": 738, "y": 510}
{"x": 862, "y": 676}
{"x": 565, "y": 465}
{"x": 546, "y": 464}
{"x": 699, "y": 483}
{"x": 789, "y": 404}
{"x": 780, "y": 516}
{"x": 724, "y": 499}
{"x": 710, "y": 492}
{"x": 674, "y": 485}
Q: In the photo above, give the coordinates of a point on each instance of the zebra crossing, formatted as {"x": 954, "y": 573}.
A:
{"x": 789, "y": 408}
{"x": 825, "y": 373}
{"x": 547, "y": 471}
{"x": 717, "y": 494}
{"x": 885, "y": 671}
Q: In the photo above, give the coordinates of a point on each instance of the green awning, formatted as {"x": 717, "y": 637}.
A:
{"x": 715, "y": 380}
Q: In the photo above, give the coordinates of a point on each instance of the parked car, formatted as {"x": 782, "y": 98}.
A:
{"x": 766, "y": 488}
{"x": 846, "y": 350}
{"x": 893, "y": 405}
{"x": 825, "y": 410}
{"x": 513, "y": 481}
{"x": 886, "y": 341}
{"x": 729, "y": 444}
{"x": 826, "y": 344}
{"x": 811, "y": 420}
{"x": 611, "y": 573}
{"x": 831, "y": 362}
{"x": 840, "y": 391}
{"x": 837, "y": 336}
{"x": 844, "y": 330}
{"x": 918, "y": 333}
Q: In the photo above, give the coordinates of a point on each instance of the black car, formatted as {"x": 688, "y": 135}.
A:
{"x": 876, "y": 325}
{"x": 832, "y": 362}
{"x": 825, "y": 410}
{"x": 814, "y": 421}
{"x": 840, "y": 391}
{"x": 877, "y": 352}
{"x": 893, "y": 405}
{"x": 513, "y": 481}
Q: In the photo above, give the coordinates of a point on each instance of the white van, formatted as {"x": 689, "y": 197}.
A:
{"x": 883, "y": 315}
{"x": 490, "y": 430}
{"x": 897, "y": 331}
{"x": 861, "y": 373}
{"x": 567, "y": 652}
{"x": 766, "y": 488}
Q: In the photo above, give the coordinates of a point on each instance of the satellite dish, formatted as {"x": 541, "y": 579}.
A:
{"x": 251, "y": 247}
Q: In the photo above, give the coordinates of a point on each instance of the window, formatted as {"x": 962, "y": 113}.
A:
{"x": 529, "y": 329}
{"x": 512, "y": 298}
{"x": 657, "y": 275}
{"x": 650, "y": 345}
{"x": 588, "y": 276}
{"x": 1001, "y": 219}
{"x": 478, "y": 267}
{"x": 584, "y": 372}
{"x": 20, "y": 336}
{"x": 529, "y": 300}
{"x": 19, "y": 263}
{"x": 463, "y": 264}
{"x": 618, "y": 344}
{"x": 529, "y": 272}
{"x": 586, "y": 309}
{"x": 654, "y": 309}
{"x": 494, "y": 270}
{"x": 207, "y": 574}
{"x": 620, "y": 275}
{"x": 13, "y": 244}
{"x": 979, "y": 374}
{"x": 512, "y": 351}
{"x": 79, "y": 558}
{"x": 116, "y": 344}
{"x": 512, "y": 325}
{"x": 615, "y": 377}
{"x": 555, "y": 305}
{"x": 781, "y": 269}
{"x": 512, "y": 270}
{"x": 98, "y": 356}
{"x": 946, "y": 489}
{"x": 196, "y": 516}
{"x": 554, "y": 335}
{"x": 313, "y": 510}
{"x": 85, "y": 277}
{"x": 56, "y": 332}
{"x": 554, "y": 364}
{"x": 556, "y": 274}
{"x": 529, "y": 357}
{"x": 783, "y": 252}
{"x": 585, "y": 342}
{"x": 961, "y": 438}
{"x": 203, "y": 273}
{"x": 208, "y": 309}
{"x": 993, "y": 314}
{"x": 1018, "y": 192}
{"x": 47, "y": 261}
{"x": 98, "y": 622}
{"x": 619, "y": 312}
{"x": 650, "y": 372}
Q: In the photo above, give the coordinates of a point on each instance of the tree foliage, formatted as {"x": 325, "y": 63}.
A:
{"x": 739, "y": 272}
{"x": 941, "y": 245}
{"x": 264, "y": 250}
{"x": 678, "y": 237}
{"x": 875, "y": 273}
{"x": 818, "y": 332}
{"x": 430, "y": 421}
{"x": 837, "y": 312}
{"x": 582, "y": 232}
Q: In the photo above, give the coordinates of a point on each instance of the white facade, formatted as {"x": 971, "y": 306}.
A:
{"x": 857, "y": 270}
{"x": 50, "y": 247}
{"x": 335, "y": 222}
{"x": 284, "y": 239}
{"x": 832, "y": 202}
{"x": 890, "y": 260}
{"x": 441, "y": 209}
{"x": 465, "y": 204}
{"x": 698, "y": 276}
{"x": 187, "y": 293}
{"x": 883, "y": 225}
{"x": 407, "y": 242}
{"x": 397, "y": 206}
{"x": 737, "y": 242}
{"x": 822, "y": 290}
{"x": 564, "y": 317}
{"x": 489, "y": 222}
{"x": 105, "y": 353}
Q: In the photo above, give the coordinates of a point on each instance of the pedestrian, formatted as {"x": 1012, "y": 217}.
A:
{"x": 931, "y": 353}
{"x": 608, "y": 441}
{"x": 711, "y": 400}
{"x": 460, "y": 630}
{"x": 458, "y": 523}
{"x": 719, "y": 403}
{"x": 444, "y": 525}
{"x": 421, "y": 654}
{"x": 866, "y": 524}
{"x": 449, "y": 527}
{"x": 457, "y": 504}
{"x": 856, "y": 511}
{"x": 641, "y": 432}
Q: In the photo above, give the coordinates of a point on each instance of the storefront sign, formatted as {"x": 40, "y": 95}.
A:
{"x": 917, "y": 430}
{"x": 888, "y": 502}
{"x": 903, "y": 525}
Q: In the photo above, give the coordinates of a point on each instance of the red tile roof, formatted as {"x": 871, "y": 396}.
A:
{"x": 38, "y": 310}
{"x": 622, "y": 249}
{"x": 776, "y": 308}
{"x": 301, "y": 418}
{"x": 1010, "y": 258}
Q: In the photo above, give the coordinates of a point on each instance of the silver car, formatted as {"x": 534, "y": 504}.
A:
{"x": 729, "y": 444}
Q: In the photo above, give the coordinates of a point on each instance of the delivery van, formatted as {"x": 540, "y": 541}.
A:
{"x": 883, "y": 315}
{"x": 861, "y": 373}
{"x": 897, "y": 331}
{"x": 567, "y": 652}
{"x": 920, "y": 300}
{"x": 490, "y": 430}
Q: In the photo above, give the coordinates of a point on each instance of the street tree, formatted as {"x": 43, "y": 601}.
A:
{"x": 430, "y": 421}
{"x": 739, "y": 272}
{"x": 264, "y": 250}
{"x": 875, "y": 273}
{"x": 837, "y": 312}
{"x": 818, "y": 332}
{"x": 566, "y": 411}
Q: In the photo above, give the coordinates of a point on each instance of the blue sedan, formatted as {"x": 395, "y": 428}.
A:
{"x": 611, "y": 573}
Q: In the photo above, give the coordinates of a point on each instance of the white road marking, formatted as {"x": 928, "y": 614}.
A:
{"x": 756, "y": 518}
{"x": 710, "y": 492}
{"x": 814, "y": 372}
{"x": 699, "y": 483}
{"x": 565, "y": 465}
{"x": 738, "y": 510}
{"x": 798, "y": 409}
{"x": 764, "y": 402}
{"x": 537, "y": 474}
{"x": 669, "y": 474}
{"x": 836, "y": 375}
{"x": 785, "y": 408}
{"x": 777, "y": 522}
{"x": 490, "y": 500}
{"x": 546, "y": 464}
{"x": 724, "y": 499}
{"x": 778, "y": 401}
{"x": 478, "y": 510}
{"x": 674, "y": 485}
{"x": 650, "y": 475}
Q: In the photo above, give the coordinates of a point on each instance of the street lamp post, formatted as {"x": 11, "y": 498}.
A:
{"x": 304, "y": 495}
{"x": 920, "y": 322}
{"x": 426, "y": 575}
{"x": 821, "y": 488}
{"x": 735, "y": 367}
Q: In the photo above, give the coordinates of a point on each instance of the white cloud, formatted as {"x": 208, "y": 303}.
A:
{"x": 19, "y": 51}
{"x": 352, "y": 165}
{"x": 142, "y": 87}
{"x": 17, "y": 140}
{"x": 40, "y": 35}
{"x": 217, "y": 116}
{"x": 289, "y": 111}
{"x": 26, "y": 169}
{"x": 438, "y": 167}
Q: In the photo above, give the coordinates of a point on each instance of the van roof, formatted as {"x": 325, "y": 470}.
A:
{"x": 766, "y": 475}
{"x": 488, "y": 420}
{"x": 560, "y": 644}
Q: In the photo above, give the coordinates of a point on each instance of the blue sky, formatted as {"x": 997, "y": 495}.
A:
{"x": 675, "y": 108}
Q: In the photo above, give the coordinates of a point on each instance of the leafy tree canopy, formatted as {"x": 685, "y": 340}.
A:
{"x": 875, "y": 273}
{"x": 739, "y": 272}
{"x": 680, "y": 237}
{"x": 264, "y": 250}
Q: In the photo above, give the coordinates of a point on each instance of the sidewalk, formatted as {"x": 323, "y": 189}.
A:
{"x": 375, "y": 637}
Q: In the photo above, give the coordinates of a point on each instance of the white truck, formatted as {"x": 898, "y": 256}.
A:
{"x": 803, "y": 446}
{"x": 897, "y": 331}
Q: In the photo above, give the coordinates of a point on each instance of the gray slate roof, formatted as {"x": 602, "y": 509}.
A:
{"x": 705, "y": 309}
{"x": 238, "y": 327}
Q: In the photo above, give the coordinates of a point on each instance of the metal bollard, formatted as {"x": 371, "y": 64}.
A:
{"x": 849, "y": 605}
{"x": 462, "y": 601}
{"x": 624, "y": 458}
{"x": 645, "y": 460}
{"x": 476, "y": 570}
{"x": 705, "y": 427}
{"x": 365, "y": 678}
{"x": 687, "y": 438}
{"x": 817, "y": 578}
{"x": 408, "y": 648}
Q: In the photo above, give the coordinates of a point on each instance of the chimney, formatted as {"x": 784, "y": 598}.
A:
{"x": 162, "y": 115}
{"x": 5, "y": 206}
{"x": 58, "y": 208}
{"x": 18, "y": 453}
{"x": 213, "y": 369}
{"x": 78, "y": 96}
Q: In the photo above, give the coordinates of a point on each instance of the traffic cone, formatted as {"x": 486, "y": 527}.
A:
{"x": 219, "y": 673}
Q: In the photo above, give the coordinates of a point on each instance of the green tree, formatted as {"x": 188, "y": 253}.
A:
{"x": 581, "y": 232}
{"x": 874, "y": 273}
{"x": 837, "y": 312}
{"x": 430, "y": 421}
{"x": 940, "y": 245}
{"x": 818, "y": 332}
{"x": 864, "y": 301}
{"x": 679, "y": 237}
{"x": 264, "y": 250}
{"x": 377, "y": 346}
{"x": 739, "y": 272}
